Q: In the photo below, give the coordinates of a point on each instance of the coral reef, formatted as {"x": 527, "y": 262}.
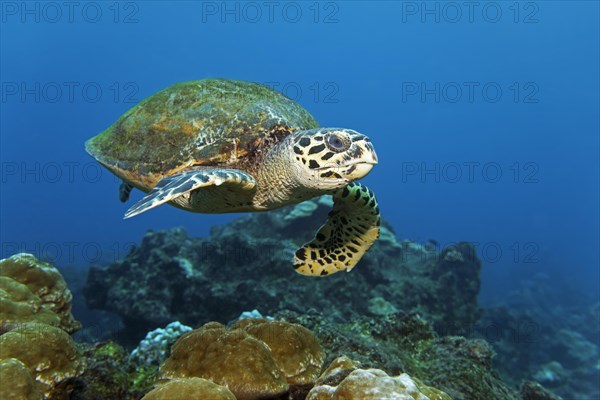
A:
{"x": 251, "y": 314}
{"x": 440, "y": 287}
{"x": 190, "y": 389}
{"x": 105, "y": 376}
{"x": 405, "y": 343}
{"x": 49, "y": 354}
{"x": 32, "y": 290}
{"x": 16, "y": 381}
{"x": 154, "y": 348}
{"x": 294, "y": 348}
{"x": 337, "y": 370}
{"x": 38, "y": 357}
{"x": 456, "y": 273}
{"x": 232, "y": 359}
{"x": 561, "y": 358}
{"x": 18, "y": 304}
{"x": 374, "y": 384}
{"x": 276, "y": 358}
{"x": 255, "y": 359}
{"x": 315, "y": 321}
{"x": 534, "y": 391}
{"x": 110, "y": 374}
{"x": 392, "y": 276}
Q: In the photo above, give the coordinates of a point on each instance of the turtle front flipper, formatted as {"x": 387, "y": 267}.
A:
{"x": 174, "y": 186}
{"x": 350, "y": 230}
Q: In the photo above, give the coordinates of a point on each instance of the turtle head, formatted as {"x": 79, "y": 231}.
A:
{"x": 330, "y": 158}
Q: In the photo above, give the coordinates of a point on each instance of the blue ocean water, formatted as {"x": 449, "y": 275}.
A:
{"x": 485, "y": 117}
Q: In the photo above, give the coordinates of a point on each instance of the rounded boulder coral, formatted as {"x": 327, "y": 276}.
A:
{"x": 16, "y": 381}
{"x": 256, "y": 359}
{"x": 233, "y": 359}
{"x": 189, "y": 389}
{"x": 18, "y": 304}
{"x": 338, "y": 383}
{"x": 43, "y": 281}
{"x": 49, "y": 354}
{"x": 294, "y": 348}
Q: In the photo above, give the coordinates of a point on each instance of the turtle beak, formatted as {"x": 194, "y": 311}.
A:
{"x": 365, "y": 153}
{"x": 370, "y": 155}
{"x": 359, "y": 170}
{"x": 365, "y": 161}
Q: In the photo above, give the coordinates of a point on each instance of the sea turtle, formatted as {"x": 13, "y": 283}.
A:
{"x": 220, "y": 146}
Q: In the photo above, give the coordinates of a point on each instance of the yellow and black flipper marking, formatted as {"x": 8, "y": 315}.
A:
{"x": 350, "y": 230}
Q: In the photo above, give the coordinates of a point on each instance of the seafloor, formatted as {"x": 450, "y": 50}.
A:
{"x": 226, "y": 317}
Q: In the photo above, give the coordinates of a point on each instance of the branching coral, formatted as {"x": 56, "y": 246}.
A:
{"x": 153, "y": 349}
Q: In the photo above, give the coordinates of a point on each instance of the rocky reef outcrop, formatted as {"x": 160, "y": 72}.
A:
{"x": 290, "y": 355}
{"x": 398, "y": 355}
{"x": 246, "y": 265}
{"x": 562, "y": 354}
{"x": 405, "y": 343}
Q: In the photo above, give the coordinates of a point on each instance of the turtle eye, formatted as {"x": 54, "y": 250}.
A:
{"x": 336, "y": 142}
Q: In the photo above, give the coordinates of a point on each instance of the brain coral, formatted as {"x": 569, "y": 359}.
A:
{"x": 189, "y": 389}
{"x": 44, "y": 282}
{"x": 255, "y": 359}
{"x": 49, "y": 354}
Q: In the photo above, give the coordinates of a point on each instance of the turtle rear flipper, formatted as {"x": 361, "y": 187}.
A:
{"x": 351, "y": 229}
{"x": 169, "y": 188}
{"x": 124, "y": 191}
